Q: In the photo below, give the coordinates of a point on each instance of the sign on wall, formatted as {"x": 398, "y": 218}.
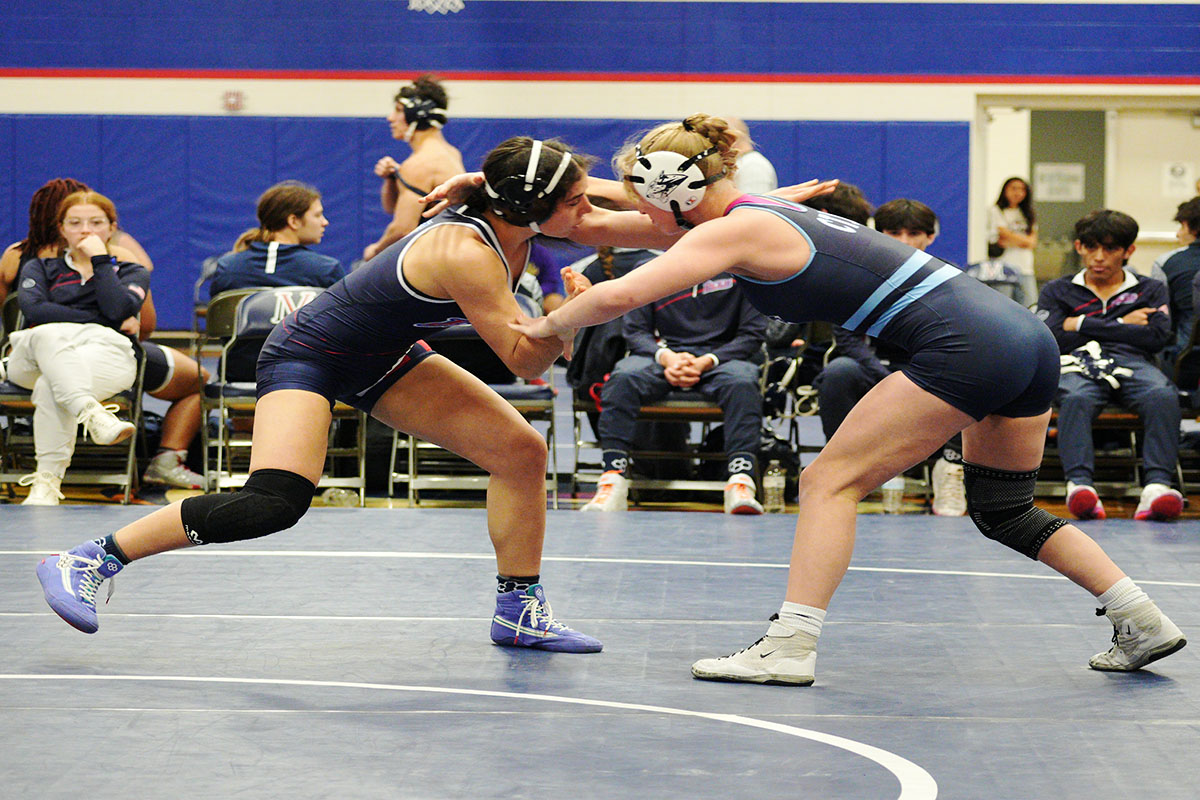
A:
{"x": 1058, "y": 182}
{"x": 1179, "y": 179}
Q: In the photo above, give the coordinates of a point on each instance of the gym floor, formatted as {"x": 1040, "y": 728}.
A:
{"x": 350, "y": 657}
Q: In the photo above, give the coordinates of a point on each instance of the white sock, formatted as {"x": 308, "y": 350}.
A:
{"x": 802, "y": 618}
{"x": 1121, "y": 595}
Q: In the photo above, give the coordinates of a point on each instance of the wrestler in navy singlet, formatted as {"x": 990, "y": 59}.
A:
{"x": 364, "y": 333}
{"x": 970, "y": 345}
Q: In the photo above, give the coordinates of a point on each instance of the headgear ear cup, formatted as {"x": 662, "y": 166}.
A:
{"x": 667, "y": 180}
{"x": 517, "y": 194}
{"x": 421, "y": 113}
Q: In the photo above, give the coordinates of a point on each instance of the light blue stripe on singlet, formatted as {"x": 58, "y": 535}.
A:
{"x": 890, "y": 284}
{"x": 941, "y": 276}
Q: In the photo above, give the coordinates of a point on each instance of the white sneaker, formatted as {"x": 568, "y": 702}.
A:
{"x": 949, "y": 492}
{"x": 783, "y": 656}
{"x": 739, "y": 495}
{"x": 612, "y": 493}
{"x": 1141, "y": 634}
{"x": 1159, "y": 502}
{"x": 43, "y": 489}
{"x": 168, "y": 468}
{"x": 103, "y": 426}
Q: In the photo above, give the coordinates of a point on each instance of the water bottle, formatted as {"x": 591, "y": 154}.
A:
{"x": 773, "y": 484}
{"x": 893, "y": 495}
{"x": 337, "y": 496}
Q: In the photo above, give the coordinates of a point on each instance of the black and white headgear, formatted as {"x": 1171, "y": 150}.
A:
{"x": 516, "y": 195}
{"x": 421, "y": 113}
{"x": 671, "y": 181}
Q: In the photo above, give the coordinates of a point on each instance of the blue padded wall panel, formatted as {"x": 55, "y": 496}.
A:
{"x": 230, "y": 163}
{"x": 186, "y": 187}
{"x": 46, "y": 147}
{"x": 144, "y": 166}
{"x": 12, "y": 206}
{"x": 928, "y": 161}
{"x": 848, "y": 151}
{"x": 325, "y": 153}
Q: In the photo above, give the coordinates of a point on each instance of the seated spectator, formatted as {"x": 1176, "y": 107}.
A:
{"x": 755, "y": 173}
{"x": 170, "y": 374}
{"x": 701, "y": 340}
{"x": 1180, "y": 268}
{"x": 863, "y": 362}
{"x": 82, "y": 308}
{"x": 290, "y": 218}
{"x": 1111, "y": 324}
{"x": 417, "y": 118}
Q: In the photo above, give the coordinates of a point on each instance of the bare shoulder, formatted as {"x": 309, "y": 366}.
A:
{"x": 450, "y": 258}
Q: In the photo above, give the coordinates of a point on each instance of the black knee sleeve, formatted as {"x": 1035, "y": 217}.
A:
{"x": 272, "y": 500}
{"x": 1000, "y": 504}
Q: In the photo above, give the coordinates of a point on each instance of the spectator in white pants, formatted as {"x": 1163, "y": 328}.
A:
{"x": 81, "y": 307}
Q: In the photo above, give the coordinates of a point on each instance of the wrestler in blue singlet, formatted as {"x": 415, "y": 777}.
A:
{"x": 970, "y": 345}
{"x": 356, "y": 339}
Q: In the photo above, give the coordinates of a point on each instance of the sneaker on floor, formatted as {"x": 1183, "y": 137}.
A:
{"x": 949, "y": 491}
{"x": 44, "y": 489}
{"x": 70, "y": 581}
{"x": 783, "y": 656}
{"x": 612, "y": 493}
{"x": 1159, "y": 502}
{"x": 103, "y": 426}
{"x": 1083, "y": 502}
{"x": 168, "y": 468}
{"x": 1141, "y": 634}
{"x": 524, "y": 619}
{"x": 739, "y": 495}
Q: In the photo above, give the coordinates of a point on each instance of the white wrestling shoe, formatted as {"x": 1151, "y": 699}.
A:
{"x": 103, "y": 426}
{"x": 44, "y": 489}
{"x": 739, "y": 495}
{"x": 784, "y": 657}
{"x": 168, "y": 469}
{"x": 1141, "y": 634}
{"x": 612, "y": 493}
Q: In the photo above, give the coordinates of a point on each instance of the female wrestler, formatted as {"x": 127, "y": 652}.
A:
{"x": 360, "y": 342}
{"x": 981, "y": 364}
{"x": 417, "y": 118}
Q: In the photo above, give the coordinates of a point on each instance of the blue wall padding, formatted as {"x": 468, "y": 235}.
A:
{"x": 186, "y": 187}
{"x": 658, "y": 37}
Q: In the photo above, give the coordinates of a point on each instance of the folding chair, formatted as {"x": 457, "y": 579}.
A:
{"x": 242, "y": 319}
{"x": 427, "y": 466}
{"x": 91, "y": 464}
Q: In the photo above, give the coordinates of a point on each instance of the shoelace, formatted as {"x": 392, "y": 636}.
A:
{"x": 90, "y": 580}
{"x": 111, "y": 408}
{"x": 950, "y": 486}
{"x": 537, "y": 611}
{"x": 31, "y": 478}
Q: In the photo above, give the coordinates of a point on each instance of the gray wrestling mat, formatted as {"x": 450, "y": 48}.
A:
{"x": 350, "y": 658}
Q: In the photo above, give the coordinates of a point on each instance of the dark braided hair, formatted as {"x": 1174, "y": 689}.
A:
{"x": 43, "y": 215}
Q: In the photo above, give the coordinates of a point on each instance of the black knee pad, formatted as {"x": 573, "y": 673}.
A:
{"x": 1000, "y": 504}
{"x": 272, "y": 500}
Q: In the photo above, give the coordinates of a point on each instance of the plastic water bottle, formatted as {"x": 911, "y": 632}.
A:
{"x": 893, "y": 495}
{"x": 774, "y": 480}
{"x": 337, "y": 496}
